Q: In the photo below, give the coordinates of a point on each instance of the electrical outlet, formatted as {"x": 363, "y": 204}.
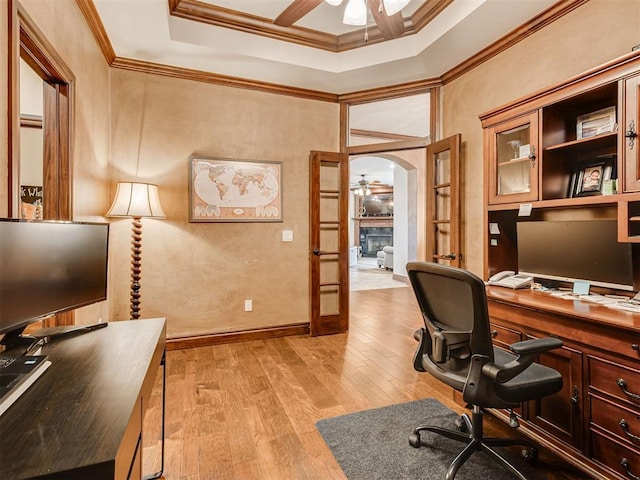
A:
{"x": 248, "y": 305}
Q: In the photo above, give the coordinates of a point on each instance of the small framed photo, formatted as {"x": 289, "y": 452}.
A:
{"x": 596, "y": 123}
{"x": 589, "y": 177}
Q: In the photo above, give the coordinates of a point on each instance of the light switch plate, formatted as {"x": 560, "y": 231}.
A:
{"x": 287, "y": 235}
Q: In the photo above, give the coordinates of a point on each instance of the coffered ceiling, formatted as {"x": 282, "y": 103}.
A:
{"x": 247, "y": 38}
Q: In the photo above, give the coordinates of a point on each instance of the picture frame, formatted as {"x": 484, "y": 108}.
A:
{"x": 589, "y": 176}
{"x": 234, "y": 190}
{"x": 596, "y": 123}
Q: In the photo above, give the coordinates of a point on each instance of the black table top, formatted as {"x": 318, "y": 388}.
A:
{"x": 75, "y": 415}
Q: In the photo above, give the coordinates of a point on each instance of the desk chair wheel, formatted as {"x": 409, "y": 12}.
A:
{"x": 530, "y": 455}
{"x": 414, "y": 440}
{"x": 461, "y": 425}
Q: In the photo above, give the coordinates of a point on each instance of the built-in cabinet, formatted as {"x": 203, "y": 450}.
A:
{"x": 594, "y": 421}
{"x": 571, "y": 152}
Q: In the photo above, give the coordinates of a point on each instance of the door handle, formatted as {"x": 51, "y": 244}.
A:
{"x": 317, "y": 252}
{"x": 451, "y": 256}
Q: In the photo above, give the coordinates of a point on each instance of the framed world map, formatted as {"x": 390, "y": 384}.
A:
{"x": 228, "y": 190}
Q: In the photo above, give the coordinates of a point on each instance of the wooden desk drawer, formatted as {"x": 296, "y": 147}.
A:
{"x": 615, "y": 379}
{"x": 503, "y": 336}
{"x": 611, "y": 454}
{"x": 623, "y": 423}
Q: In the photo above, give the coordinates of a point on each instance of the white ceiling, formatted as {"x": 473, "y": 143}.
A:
{"x": 144, "y": 30}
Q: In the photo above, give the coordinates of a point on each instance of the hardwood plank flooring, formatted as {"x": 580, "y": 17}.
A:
{"x": 248, "y": 410}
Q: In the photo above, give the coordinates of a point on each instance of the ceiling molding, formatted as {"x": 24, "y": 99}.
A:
{"x": 383, "y": 135}
{"x": 224, "y": 17}
{"x": 30, "y": 121}
{"x": 390, "y": 92}
{"x": 550, "y": 15}
{"x": 224, "y": 80}
{"x": 88, "y": 9}
{"x": 227, "y": 18}
{"x": 389, "y": 146}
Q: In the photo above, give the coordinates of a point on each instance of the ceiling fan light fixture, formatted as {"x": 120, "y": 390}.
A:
{"x": 355, "y": 13}
{"x": 394, "y": 6}
{"x": 335, "y": 3}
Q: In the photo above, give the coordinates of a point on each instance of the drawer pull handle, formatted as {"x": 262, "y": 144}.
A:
{"x": 494, "y": 333}
{"x": 627, "y": 466}
{"x": 623, "y": 386}
{"x": 625, "y": 428}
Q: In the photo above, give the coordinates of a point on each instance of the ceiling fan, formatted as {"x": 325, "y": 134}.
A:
{"x": 386, "y": 13}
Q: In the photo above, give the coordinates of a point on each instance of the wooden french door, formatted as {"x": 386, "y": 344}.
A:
{"x": 443, "y": 202}
{"x": 329, "y": 242}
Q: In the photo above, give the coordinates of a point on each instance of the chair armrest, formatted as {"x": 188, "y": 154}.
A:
{"x": 424, "y": 348}
{"x": 538, "y": 345}
{"x": 527, "y": 352}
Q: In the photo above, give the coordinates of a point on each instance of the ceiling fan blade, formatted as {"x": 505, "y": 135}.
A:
{"x": 295, "y": 11}
{"x": 390, "y": 26}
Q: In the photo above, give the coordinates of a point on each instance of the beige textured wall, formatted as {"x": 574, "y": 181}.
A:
{"x": 4, "y": 132}
{"x": 594, "y": 33}
{"x": 64, "y": 27}
{"x": 199, "y": 274}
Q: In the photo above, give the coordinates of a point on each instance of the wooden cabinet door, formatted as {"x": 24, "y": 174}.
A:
{"x": 513, "y": 160}
{"x": 561, "y": 414}
{"x": 630, "y": 126}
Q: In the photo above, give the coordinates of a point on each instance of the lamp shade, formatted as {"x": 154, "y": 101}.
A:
{"x": 394, "y": 6}
{"x": 355, "y": 13}
{"x": 335, "y": 3}
{"x": 136, "y": 200}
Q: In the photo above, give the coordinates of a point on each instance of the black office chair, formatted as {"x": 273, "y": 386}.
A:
{"x": 456, "y": 348}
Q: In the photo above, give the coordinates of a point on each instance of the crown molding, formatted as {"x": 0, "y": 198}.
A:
{"x": 550, "y": 15}
{"x": 426, "y": 13}
{"x": 88, "y": 9}
{"x": 223, "y": 17}
{"x": 224, "y": 80}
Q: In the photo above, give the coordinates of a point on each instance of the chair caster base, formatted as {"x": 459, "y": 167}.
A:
{"x": 414, "y": 440}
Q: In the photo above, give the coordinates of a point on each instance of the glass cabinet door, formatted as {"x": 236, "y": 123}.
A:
{"x": 514, "y": 160}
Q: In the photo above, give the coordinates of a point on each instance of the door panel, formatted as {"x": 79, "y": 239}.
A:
{"x": 328, "y": 243}
{"x": 443, "y": 202}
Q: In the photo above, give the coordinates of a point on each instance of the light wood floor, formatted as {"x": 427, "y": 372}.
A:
{"x": 248, "y": 410}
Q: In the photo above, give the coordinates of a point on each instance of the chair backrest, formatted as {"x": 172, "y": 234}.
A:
{"x": 454, "y": 307}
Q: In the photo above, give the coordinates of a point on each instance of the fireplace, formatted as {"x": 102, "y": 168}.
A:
{"x": 374, "y": 239}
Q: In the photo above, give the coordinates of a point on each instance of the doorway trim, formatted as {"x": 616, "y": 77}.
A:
{"x": 27, "y": 42}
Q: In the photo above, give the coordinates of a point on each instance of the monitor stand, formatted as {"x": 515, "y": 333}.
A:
{"x": 49, "y": 334}
{"x": 15, "y": 339}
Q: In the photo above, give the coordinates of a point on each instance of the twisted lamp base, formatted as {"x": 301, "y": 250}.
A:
{"x": 136, "y": 265}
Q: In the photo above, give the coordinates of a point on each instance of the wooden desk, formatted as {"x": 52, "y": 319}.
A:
{"x": 82, "y": 419}
{"x": 600, "y": 367}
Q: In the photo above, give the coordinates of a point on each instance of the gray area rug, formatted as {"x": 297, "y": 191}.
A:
{"x": 374, "y": 445}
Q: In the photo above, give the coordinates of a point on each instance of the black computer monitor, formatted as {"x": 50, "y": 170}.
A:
{"x": 575, "y": 250}
{"x": 47, "y": 267}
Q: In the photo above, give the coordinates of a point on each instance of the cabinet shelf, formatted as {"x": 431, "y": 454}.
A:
{"x": 514, "y": 161}
{"x": 591, "y": 143}
{"x": 561, "y": 202}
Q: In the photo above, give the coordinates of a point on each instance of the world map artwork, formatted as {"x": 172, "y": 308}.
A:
{"x": 225, "y": 190}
